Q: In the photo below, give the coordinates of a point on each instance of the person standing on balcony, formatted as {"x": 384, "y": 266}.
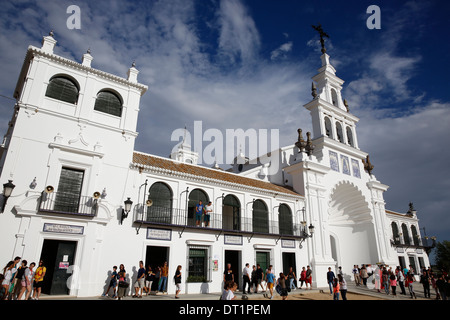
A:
{"x": 199, "y": 213}
{"x": 208, "y": 211}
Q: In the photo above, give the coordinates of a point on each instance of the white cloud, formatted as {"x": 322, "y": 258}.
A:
{"x": 239, "y": 39}
{"x": 281, "y": 51}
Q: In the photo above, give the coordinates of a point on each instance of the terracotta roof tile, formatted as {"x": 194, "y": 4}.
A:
{"x": 168, "y": 164}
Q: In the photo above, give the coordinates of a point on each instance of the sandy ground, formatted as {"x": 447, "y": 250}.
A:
{"x": 320, "y": 296}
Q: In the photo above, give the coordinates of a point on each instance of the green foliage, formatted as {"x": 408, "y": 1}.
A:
{"x": 442, "y": 251}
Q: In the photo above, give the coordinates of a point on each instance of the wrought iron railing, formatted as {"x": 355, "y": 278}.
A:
{"x": 417, "y": 242}
{"x": 67, "y": 203}
{"x": 186, "y": 218}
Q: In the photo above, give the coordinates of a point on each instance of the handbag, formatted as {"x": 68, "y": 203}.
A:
{"x": 123, "y": 284}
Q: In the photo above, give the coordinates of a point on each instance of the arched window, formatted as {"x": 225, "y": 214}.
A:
{"x": 334, "y": 98}
{"x": 63, "y": 88}
{"x": 350, "y": 136}
{"x": 260, "y": 217}
{"x": 231, "y": 213}
{"x": 108, "y": 102}
{"x": 339, "y": 134}
{"x": 161, "y": 209}
{"x": 285, "y": 220}
{"x": 328, "y": 127}
{"x": 194, "y": 198}
{"x": 415, "y": 236}
{"x": 405, "y": 232}
{"x": 395, "y": 233}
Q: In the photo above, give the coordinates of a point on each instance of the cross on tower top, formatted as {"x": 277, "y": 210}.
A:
{"x": 322, "y": 34}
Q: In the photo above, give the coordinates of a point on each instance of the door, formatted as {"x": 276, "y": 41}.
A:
{"x": 289, "y": 262}
{"x": 155, "y": 257}
{"x": 58, "y": 256}
{"x": 233, "y": 257}
{"x": 263, "y": 259}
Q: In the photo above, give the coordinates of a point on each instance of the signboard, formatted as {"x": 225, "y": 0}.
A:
{"x": 159, "y": 234}
{"x": 215, "y": 265}
{"x": 234, "y": 240}
{"x": 64, "y": 265}
{"x": 63, "y": 228}
{"x": 287, "y": 243}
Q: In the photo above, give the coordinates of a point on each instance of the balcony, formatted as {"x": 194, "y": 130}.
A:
{"x": 67, "y": 203}
{"x": 164, "y": 216}
{"x": 426, "y": 243}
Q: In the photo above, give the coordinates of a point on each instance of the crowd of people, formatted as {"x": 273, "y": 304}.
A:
{"x": 386, "y": 279}
{"x": 144, "y": 281}
{"x": 21, "y": 281}
{"x": 256, "y": 278}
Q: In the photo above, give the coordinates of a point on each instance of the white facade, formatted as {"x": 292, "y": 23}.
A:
{"x": 47, "y": 138}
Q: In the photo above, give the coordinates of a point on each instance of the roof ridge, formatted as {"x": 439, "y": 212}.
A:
{"x": 214, "y": 174}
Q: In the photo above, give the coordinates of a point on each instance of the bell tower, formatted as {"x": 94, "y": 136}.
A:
{"x": 330, "y": 113}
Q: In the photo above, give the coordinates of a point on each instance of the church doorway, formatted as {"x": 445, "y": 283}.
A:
{"x": 351, "y": 229}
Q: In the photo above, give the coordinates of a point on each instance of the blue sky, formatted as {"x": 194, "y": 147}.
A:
{"x": 248, "y": 64}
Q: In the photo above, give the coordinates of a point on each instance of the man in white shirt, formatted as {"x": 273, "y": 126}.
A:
{"x": 356, "y": 274}
{"x": 208, "y": 211}
{"x": 246, "y": 276}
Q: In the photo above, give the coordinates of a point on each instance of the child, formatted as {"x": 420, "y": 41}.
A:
{"x": 393, "y": 283}
{"x": 112, "y": 283}
{"x": 336, "y": 288}
{"x": 228, "y": 292}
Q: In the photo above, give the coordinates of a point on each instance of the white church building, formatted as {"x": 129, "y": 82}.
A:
{"x": 83, "y": 200}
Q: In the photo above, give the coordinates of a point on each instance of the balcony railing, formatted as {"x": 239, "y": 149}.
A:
{"x": 423, "y": 242}
{"x": 67, "y": 203}
{"x": 185, "y": 218}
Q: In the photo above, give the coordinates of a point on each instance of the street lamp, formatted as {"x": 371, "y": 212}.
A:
{"x": 128, "y": 203}
{"x": 311, "y": 230}
{"x": 7, "y": 190}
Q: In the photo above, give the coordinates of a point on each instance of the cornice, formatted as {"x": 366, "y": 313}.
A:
{"x": 64, "y": 61}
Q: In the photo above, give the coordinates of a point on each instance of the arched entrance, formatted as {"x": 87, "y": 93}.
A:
{"x": 231, "y": 213}
{"x": 351, "y": 229}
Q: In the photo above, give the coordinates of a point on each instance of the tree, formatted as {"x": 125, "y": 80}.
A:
{"x": 443, "y": 255}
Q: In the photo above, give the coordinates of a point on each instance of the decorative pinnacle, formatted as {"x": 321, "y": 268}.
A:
{"x": 300, "y": 144}
{"x": 309, "y": 146}
{"x": 313, "y": 90}
{"x": 367, "y": 165}
{"x": 346, "y": 105}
